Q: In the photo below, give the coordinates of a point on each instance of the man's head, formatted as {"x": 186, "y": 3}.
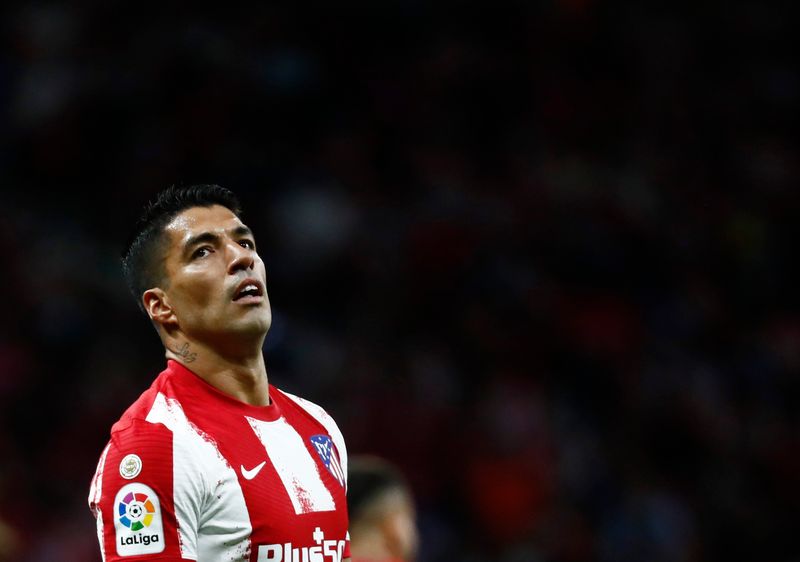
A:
{"x": 381, "y": 511}
{"x": 193, "y": 268}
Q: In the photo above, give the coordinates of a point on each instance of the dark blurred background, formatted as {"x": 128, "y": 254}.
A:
{"x": 538, "y": 254}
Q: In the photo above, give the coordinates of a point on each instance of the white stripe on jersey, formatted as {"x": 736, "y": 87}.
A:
{"x": 329, "y": 424}
{"x": 297, "y": 469}
{"x": 207, "y": 496}
{"x": 95, "y": 493}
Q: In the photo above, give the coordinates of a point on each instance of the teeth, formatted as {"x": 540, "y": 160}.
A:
{"x": 250, "y": 289}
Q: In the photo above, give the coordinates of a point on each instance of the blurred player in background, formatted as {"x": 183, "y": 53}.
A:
{"x": 382, "y": 515}
{"x": 213, "y": 463}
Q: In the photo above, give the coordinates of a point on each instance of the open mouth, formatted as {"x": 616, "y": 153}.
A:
{"x": 249, "y": 289}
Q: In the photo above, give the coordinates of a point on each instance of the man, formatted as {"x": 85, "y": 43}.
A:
{"x": 212, "y": 463}
{"x": 382, "y": 515}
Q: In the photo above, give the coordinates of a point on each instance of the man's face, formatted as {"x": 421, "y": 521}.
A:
{"x": 215, "y": 280}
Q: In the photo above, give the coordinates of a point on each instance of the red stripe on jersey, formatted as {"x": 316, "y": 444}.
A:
{"x": 153, "y": 445}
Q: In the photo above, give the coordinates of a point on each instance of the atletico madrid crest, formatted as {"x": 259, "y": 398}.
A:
{"x": 330, "y": 457}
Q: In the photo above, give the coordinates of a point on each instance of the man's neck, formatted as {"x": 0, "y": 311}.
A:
{"x": 242, "y": 376}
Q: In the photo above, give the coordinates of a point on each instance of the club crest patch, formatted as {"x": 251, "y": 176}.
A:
{"x": 137, "y": 521}
{"x": 330, "y": 457}
{"x": 130, "y": 467}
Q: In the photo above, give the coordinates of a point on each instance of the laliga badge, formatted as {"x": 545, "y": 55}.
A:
{"x": 137, "y": 520}
{"x": 130, "y": 467}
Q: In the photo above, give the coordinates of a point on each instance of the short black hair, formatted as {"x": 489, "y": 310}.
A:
{"x": 368, "y": 478}
{"x": 141, "y": 260}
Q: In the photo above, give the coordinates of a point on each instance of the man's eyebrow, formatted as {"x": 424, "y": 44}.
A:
{"x": 242, "y": 231}
{"x": 199, "y": 239}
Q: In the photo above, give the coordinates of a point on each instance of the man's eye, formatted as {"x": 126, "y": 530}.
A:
{"x": 247, "y": 244}
{"x": 201, "y": 252}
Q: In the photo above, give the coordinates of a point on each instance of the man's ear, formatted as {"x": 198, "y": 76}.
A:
{"x": 157, "y": 305}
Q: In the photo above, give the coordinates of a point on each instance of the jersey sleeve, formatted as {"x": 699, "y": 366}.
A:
{"x": 319, "y": 414}
{"x": 132, "y": 498}
{"x": 341, "y": 448}
{"x": 322, "y": 416}
{"x": 338, "y": 441}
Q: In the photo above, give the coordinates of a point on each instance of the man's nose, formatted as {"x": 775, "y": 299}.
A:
{"x": 240, "y": 257}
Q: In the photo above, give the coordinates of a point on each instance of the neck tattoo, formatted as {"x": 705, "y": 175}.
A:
{"x": 184, "y": 352}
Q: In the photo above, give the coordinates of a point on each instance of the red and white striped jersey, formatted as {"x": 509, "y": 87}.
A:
{"x": 193, "y": 474}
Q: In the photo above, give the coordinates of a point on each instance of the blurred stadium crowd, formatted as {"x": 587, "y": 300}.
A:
{"x": 539, "y": 255}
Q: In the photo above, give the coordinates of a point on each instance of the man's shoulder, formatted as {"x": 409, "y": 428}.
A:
{"x": 136, "y": 412}
{"x": 310, "y": 408}
{"x": 139, "y": 409}
{"x": 313, "y": 411}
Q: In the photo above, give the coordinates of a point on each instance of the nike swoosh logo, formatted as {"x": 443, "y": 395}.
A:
{"x": 250, "y": 474}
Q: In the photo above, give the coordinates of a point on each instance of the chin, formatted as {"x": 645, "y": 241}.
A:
{"x": 257, "y": 324}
